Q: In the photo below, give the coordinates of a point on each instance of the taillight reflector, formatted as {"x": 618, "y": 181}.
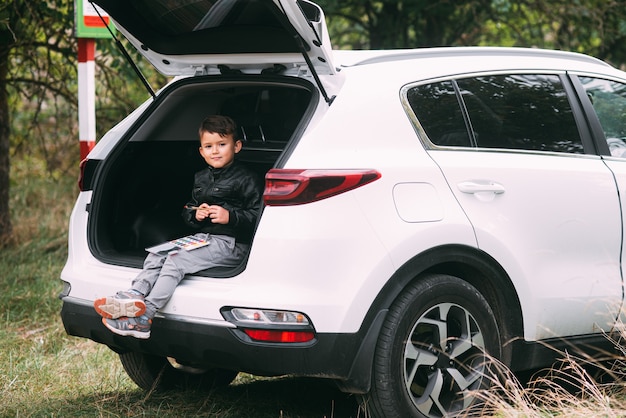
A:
{"x": 274, "y": 336}
{"x": 81, "y": 175}
{"x": 295, "y": 187}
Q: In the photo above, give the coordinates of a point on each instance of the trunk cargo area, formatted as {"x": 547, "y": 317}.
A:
{"x": 141, "y": 187}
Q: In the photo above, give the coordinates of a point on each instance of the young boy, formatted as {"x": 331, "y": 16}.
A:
{"x": 225, "y": 202}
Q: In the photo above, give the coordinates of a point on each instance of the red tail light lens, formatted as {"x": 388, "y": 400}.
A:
{"x": 81, "y": 175}
{"x": 295, "y": 187}
{"x": 274, "y": 336}
{"x": 87, "y": 172}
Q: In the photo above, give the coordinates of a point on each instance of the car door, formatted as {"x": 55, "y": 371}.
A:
{"x": 605, "y": 101}
{"x": 541, "y": 203}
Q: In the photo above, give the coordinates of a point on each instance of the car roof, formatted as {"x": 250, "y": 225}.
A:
{"x": 362, "y": 57}
{"x": 425, "y": 63}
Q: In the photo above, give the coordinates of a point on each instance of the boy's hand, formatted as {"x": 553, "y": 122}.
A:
{"x": 202, "y": 212}
{"x": 216, "y": 214}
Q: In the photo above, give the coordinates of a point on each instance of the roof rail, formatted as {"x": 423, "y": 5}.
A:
{"x": 381, "y": 56}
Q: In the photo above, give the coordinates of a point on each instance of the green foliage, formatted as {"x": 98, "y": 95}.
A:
{"x": 42, "y": 82}
{"x": 402, "y": 24}
{"x": 118, "y": 89}
{"x": 595, "y": 27}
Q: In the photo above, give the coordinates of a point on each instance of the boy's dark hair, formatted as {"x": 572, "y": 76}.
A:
{"x": 219, "y": 124}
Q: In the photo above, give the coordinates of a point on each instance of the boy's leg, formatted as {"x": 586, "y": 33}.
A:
{"x": 125, "y": 303}
{"x": 130, "y": 303}
{"x": 221, "y": 252}
{"x": 134, "y": 327}
{"x": 150, "y": 274}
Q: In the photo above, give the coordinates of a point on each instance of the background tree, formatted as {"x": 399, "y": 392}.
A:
{"x": 38, "y": 90}
{"x": 5, "y": 218}
{"x": 595, "y": 27}
{"x": 369, "y": 24}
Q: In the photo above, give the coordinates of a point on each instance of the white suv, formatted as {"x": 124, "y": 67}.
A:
{"x": 422, "y": 207}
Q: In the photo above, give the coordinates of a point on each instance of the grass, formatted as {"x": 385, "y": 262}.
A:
{"x": 573, "y": 387}
{"x": 45, "y": 373}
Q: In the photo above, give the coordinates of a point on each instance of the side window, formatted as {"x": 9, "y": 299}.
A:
{"x": 609, "y": 101}
{"x": 437, "y": 108}
{"x": 529, "y": 112}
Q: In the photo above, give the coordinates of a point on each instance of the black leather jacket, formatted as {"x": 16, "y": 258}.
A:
{"x": 235, "y": 188}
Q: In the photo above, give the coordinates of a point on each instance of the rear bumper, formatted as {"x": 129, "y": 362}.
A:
{"x": 195, "y": 344}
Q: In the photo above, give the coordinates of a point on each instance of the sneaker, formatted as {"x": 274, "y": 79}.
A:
{"x": 133, "y": 327}
{"x": 124, "y": 303}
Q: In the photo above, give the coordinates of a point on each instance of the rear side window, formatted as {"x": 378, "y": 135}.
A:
{"x": 609, "y": 102}
{"x": 525, "y": 112}
{"x": 439, "y": 109}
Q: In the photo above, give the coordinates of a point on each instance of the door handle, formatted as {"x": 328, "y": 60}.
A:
{"x": 473, "y": 187}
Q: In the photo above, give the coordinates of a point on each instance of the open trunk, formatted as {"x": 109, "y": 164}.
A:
{"x": 142, "y": 186}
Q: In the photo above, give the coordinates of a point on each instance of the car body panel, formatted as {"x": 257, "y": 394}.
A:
{"x": 618, "y": 169}
{"x": 553, "y": 229}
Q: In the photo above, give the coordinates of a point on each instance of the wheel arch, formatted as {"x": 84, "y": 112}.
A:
{"x": 466, "y": 263}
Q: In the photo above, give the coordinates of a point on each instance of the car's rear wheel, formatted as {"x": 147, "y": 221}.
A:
{"x": 433, "y": 351}
{"x": 151, "y": 372}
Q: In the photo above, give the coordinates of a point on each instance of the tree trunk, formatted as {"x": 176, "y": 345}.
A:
{"x": 6, "y": 228}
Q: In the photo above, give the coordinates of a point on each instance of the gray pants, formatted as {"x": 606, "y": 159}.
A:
{"x": 162, "y": 273}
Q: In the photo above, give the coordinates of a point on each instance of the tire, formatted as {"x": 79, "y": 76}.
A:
{"x": 151, "y": 372}
{"x": 430, "y": 354}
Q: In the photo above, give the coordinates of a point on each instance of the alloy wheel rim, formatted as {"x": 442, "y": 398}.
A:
{"x": 444, "y": 360}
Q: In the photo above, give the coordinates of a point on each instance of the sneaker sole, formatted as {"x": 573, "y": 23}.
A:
{"x": 113, "y": 308}
{"x": 143, "y": 335}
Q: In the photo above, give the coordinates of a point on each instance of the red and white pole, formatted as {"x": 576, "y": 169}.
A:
{"x": 86, "y": 95}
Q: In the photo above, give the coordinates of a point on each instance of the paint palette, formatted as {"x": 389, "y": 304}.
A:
{"x": 187, "y": 243}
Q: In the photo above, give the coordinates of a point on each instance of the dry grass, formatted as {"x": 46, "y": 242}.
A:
{"x": 573, "y": 387}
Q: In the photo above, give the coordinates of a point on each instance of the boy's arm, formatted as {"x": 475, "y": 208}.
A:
{"x": 215, "y": 213}
{"x": 189, "y": 213}
{"x": 244, "y": 217}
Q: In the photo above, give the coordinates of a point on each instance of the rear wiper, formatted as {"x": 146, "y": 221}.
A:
{"x": 126, "y": 54}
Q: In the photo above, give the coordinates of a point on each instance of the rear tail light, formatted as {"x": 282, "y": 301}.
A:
{"x": 86, "y": 175}
{"x": 269, "y": 317}
{"x": 272, "y": 336}
{"x": 295, "y": 187}
{"x": 81, "y": 175}
{"x": 271, "y": 326}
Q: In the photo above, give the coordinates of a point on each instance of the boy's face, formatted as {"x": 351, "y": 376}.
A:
{"x": 218, "y": 151}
